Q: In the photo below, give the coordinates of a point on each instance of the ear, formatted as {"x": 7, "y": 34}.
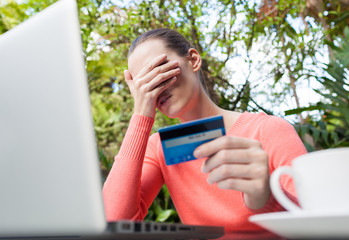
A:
{"x": 195, "y": 59}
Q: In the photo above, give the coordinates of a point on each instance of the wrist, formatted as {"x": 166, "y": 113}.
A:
{"x": 145, "y": 111}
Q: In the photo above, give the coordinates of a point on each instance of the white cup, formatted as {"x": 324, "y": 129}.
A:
{"x": 321, "y": 180}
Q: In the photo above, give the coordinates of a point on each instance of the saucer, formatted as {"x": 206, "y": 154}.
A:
{"x": 304, "y": 224}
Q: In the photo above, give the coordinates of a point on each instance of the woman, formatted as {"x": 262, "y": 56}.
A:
{"x": 230, "y": 180}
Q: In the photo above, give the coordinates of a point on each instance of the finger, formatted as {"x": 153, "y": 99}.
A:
{"x": 235, "y": 184}
{"x": 127, "y": 75}
{"x": 162, "y": 78}
{"x": 166, "y": 67}
{"x": 250, "y": 187}
{"x": 161, "y": 73}
{"x": 151, "y": 65}
{"x": 230, "y": 171}
{"x": 224, "y": 142}
{"x": 164, "y": 85}
{"x": 234, "y": 156}
{"x": 128, "y": 79}
{"x": 242, "y": 185}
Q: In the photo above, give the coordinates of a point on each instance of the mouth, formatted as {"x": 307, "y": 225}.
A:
{"x": 162, "y": 99}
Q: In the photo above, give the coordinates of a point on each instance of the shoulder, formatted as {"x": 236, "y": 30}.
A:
{"x": 154, "y": 143}
{"x": 254, "y": 124}
{"x": 277, "y": 136}
{"x": 266, "y": 122}
{"x": 276, "y": 124}
{"x": 153, "y": 152}
{"x": 154, "y": 138}
{"x": 280, "y": 139}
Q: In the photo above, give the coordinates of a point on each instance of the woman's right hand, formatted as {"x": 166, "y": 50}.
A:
{"x": 154, "y": 78}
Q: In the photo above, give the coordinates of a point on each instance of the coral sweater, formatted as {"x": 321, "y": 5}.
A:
{"x": 139, "y": 171}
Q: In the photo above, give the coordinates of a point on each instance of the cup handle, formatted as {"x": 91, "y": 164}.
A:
{"x": 278, "y": 192}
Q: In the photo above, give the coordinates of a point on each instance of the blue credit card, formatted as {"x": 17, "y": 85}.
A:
{"x": 179, "y": 141}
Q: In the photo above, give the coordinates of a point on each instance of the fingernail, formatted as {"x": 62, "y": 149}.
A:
{"x": 197, "y": 153}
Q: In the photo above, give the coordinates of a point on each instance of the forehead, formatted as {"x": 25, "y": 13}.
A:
{"x": 145, "y": 53}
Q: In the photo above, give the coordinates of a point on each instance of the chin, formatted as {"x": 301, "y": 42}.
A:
{"x": 174, "y": 109}
{"x": 169, "y": 114}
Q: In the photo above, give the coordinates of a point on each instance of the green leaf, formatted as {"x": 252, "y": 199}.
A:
{"x": 165, "y": 215}
{"x": 303, "y": 109}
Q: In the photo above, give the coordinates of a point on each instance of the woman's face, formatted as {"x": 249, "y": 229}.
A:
{"x": 183, "y": 95}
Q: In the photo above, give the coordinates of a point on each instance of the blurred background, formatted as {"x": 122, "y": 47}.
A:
{"x": 288, "y": 58}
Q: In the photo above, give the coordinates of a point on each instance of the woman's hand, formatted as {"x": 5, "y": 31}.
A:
{"x": 150, "y": 82}
{"x": 239, "y": 164}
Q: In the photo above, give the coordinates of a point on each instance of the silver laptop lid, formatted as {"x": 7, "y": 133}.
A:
{"x": 49, "y": 175}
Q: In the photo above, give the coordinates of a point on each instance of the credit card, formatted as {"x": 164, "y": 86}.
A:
{"x": 179, "y": 141}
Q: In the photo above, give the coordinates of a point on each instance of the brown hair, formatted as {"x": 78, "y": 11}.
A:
{"x": 173, "y": 40}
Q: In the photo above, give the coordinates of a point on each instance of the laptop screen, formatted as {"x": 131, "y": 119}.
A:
{"x": 49, "y": 174}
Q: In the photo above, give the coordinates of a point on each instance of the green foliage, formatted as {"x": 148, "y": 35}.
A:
{"x": 11, "y": 15}
{"x": 333, "y": 129}
{"x": 162, "y": 209}
{"x": 106, "y": 163}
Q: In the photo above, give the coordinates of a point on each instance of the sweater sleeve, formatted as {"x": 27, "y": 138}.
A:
{"x": 282, "y": 143}
{"x": 133, "y": 182}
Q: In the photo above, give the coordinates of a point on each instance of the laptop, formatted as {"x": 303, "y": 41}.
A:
{"x": 50, "y": 180}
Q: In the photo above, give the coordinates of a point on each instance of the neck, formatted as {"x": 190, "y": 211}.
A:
{"x": 207, "y": 108}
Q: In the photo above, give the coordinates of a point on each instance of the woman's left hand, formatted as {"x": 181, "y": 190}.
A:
{"x": 239, "y": 164}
